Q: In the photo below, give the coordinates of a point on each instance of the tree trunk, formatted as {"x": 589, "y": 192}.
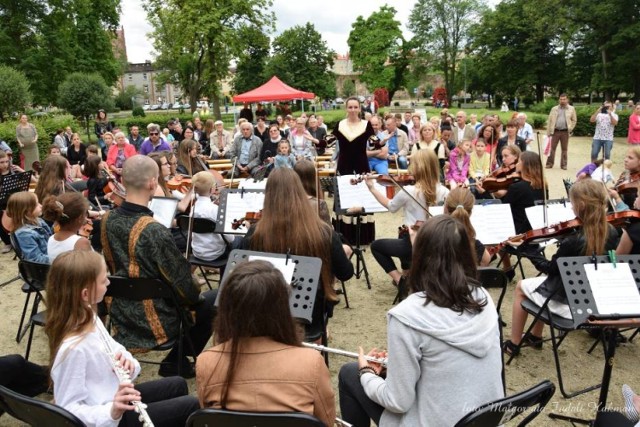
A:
{"x": 539, "y": 92}
{"x": 216, "y": 107}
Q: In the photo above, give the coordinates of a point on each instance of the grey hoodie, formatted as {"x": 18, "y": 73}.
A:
{"x": 442, "y": 364}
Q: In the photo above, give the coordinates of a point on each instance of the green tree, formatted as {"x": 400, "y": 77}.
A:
{"x": 14, "y": 91}
{"x": 125, "y": 99}
{"x": 251, "y": 63}
{"x": 378, "y": 49}
{"x": 302, "y": 59}
{"x": 442, "y": 27}
{"x": 198, "y": 59}
{"x": 83, "y": 94}
{"x": 348, "y": 88}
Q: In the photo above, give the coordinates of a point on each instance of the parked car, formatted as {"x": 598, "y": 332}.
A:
{"x": 154, "y": 107}
{"x": 165, "y": 106}
{"x": 146, "y": 107}
{"x": 339, "y": 101}
{"x": 176, "y": 106}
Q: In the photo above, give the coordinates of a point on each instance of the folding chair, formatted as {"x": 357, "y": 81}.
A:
{"x": 36, "y": 412}
{"x": 218, "y": 417}
{"x": 558, "y": 323}
{"x": 34, "y": 275}
{"x": 500, "y": 411}
{"x": 202, "y": 226}
{"x": 140, "y": 289}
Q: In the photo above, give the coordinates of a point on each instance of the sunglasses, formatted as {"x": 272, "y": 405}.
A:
{"x": 153, "y": 133}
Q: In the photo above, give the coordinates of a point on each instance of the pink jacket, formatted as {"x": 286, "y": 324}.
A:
{"x": 129, "y": 150}
{"x": 455, "y": 173}
{"x": 634, "y": 129}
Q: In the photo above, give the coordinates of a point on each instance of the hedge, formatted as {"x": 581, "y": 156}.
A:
{"x": 46, "y": 127}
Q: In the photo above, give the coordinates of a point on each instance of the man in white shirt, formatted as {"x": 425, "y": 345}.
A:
{"x": 462, "y": 130}
{"x": 525, "y": 131}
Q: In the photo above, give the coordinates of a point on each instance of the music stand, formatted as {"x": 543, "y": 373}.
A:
{"x": 358, "y": 249}
{"x": 228, "y": 212}
{"x": 586, "y": 315}
{"x": 13, "y": 183}
{"x": 9, "y": 184}
{"x": 304, "y": 284}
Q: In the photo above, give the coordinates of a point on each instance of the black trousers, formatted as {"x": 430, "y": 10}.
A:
{"x": 22, "y": 376}
{"x": 355, "y": 406}
{"x": 168, "y": 403}
{"x": 384, "y": 250}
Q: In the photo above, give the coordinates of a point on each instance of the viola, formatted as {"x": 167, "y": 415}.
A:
{"x": 492, "y": 184}
{"x": 250, "y": 217}
{"x": 628, "y": 185}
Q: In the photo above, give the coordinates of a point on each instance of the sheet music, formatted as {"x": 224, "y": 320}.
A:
{"x": 238, "y": 204}
{"x": 614, "y": 288}
{"x": 493, "y": 223}
{"x": 558, "y": 212}
{"x": 286, "y": 268}
{"x": 164, "y": 209}
{"x": 250, "y": 184}
{"x": 358, "y": 195}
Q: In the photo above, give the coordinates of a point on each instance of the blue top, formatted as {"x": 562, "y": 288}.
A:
{"x": 32, "y": 241}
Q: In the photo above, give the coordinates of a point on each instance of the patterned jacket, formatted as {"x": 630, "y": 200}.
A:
{"x": 135, "y": 245}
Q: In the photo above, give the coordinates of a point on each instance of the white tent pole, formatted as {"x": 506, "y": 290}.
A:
{"x": 302, "y": 99}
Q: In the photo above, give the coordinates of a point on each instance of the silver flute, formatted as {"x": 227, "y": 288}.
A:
{"x": 345, "y": 353}
{"x": 124, "y": 377}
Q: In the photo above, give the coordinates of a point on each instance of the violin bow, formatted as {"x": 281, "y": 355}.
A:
{"x": 545, "y": 208}
{"x": 317, "y": 184}
{"x": 429, "y": 215}
{"x": 233, "y": 170}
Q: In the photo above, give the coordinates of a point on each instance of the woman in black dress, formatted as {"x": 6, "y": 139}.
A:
{"x": 352, "y": 134}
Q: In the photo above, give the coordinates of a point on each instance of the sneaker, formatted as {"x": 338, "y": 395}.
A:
{"x": 6, "y": 249}
{"x": 171, "y": 370}
{"x": 629, "y": 408}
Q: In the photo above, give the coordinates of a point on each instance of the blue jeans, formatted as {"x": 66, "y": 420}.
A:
{"x": 596, "y": 148}
{"x": 381, "y": 166}
{"x": 402, "y": 161}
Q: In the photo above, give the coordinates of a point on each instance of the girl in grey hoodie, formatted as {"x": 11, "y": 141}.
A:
{"x": 444, "y": 344}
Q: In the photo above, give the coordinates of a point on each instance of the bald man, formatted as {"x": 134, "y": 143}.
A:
{"x": 135, "y": 245}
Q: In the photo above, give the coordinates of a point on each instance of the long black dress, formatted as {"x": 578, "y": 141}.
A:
{"x": 352, "y": 157}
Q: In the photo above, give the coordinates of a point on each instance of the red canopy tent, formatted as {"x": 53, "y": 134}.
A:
{"x": 273, "y": 90}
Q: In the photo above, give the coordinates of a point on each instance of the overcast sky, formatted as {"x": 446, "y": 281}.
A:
{"x": 333, "y": 20}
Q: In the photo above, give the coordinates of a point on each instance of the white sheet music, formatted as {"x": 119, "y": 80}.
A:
{"x": 250, "y": 184}
{"x": 493, "y": 223}
{"x": 286, "y": 268}
{"x": 557, "y": 212}
{"x": 238, "y": 204}
{"x": 358, "y": 195}
{"x": 164, "y": 209}
{"x": 614, "y": 288}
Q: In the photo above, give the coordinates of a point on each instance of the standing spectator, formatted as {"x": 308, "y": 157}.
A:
{"x": 562, "y": 120}
{"x": 634, "y": 126}
{"x": 246, "y": 113}
{"x": 135, "y": 138}
{"x": 27, "y": 137}
{"x": 605, "y": 119}
{"x": 261, "y": 112}
{"x": 101, "y": 127}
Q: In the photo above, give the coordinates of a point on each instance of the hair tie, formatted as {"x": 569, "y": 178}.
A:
{"x": 61, "y": 206}
{"x": 459, "y": 207}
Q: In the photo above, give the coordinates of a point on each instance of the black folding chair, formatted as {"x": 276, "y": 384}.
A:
{"x": 556, "y": 323}
{"x": 218, "y": 417}
{"x": 36, "y": 412}
{"x": 35, "y": 277}
{"x": 203, "y": 226}
{"x": 500, "y": 411}
{"x": 140, "y": 289}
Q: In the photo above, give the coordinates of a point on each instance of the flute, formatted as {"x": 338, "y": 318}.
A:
{"x": 124, "y": 377}
{"x": 351, "y": 354}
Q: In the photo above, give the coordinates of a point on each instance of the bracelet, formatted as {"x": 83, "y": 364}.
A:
{"x": 366, "y": 369}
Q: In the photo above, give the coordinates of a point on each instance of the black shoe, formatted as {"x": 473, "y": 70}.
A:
{"x": 168, "y": 369}
{"x": 510, "y": 273}
{"x": 532, "y": 341}
{"x": 510, "y": 348}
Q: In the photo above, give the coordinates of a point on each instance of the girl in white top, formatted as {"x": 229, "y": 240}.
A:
{"x": 83, "y": 354}
{"x": 426, "y": 192}
{"x": 69, "y": 211}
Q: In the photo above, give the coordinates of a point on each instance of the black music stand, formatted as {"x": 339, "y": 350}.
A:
{"x": 585, "y": 315}
{"x": 358, "y": 249}
{"x": 223, "y": 209}
{"x": 304, "y": 284}
{"x": 9, "y": 184}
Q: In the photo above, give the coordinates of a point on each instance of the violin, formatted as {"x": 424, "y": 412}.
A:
{"x": 628, "y": 185}
{"x": 503, "y": 171}
{"x": 386, "y": 180}
{"x": 250, "y": 217}
{"x": 492, "y": 184}
{"x": 180, "y": 183}
{"x": 117, "y": 190}
{"x": 403, "y": 230}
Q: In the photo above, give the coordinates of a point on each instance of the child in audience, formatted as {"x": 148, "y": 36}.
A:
{"x": 31, "y": 233}
{"x": 284, "y": 158}
{"x": 459, "y": 160}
